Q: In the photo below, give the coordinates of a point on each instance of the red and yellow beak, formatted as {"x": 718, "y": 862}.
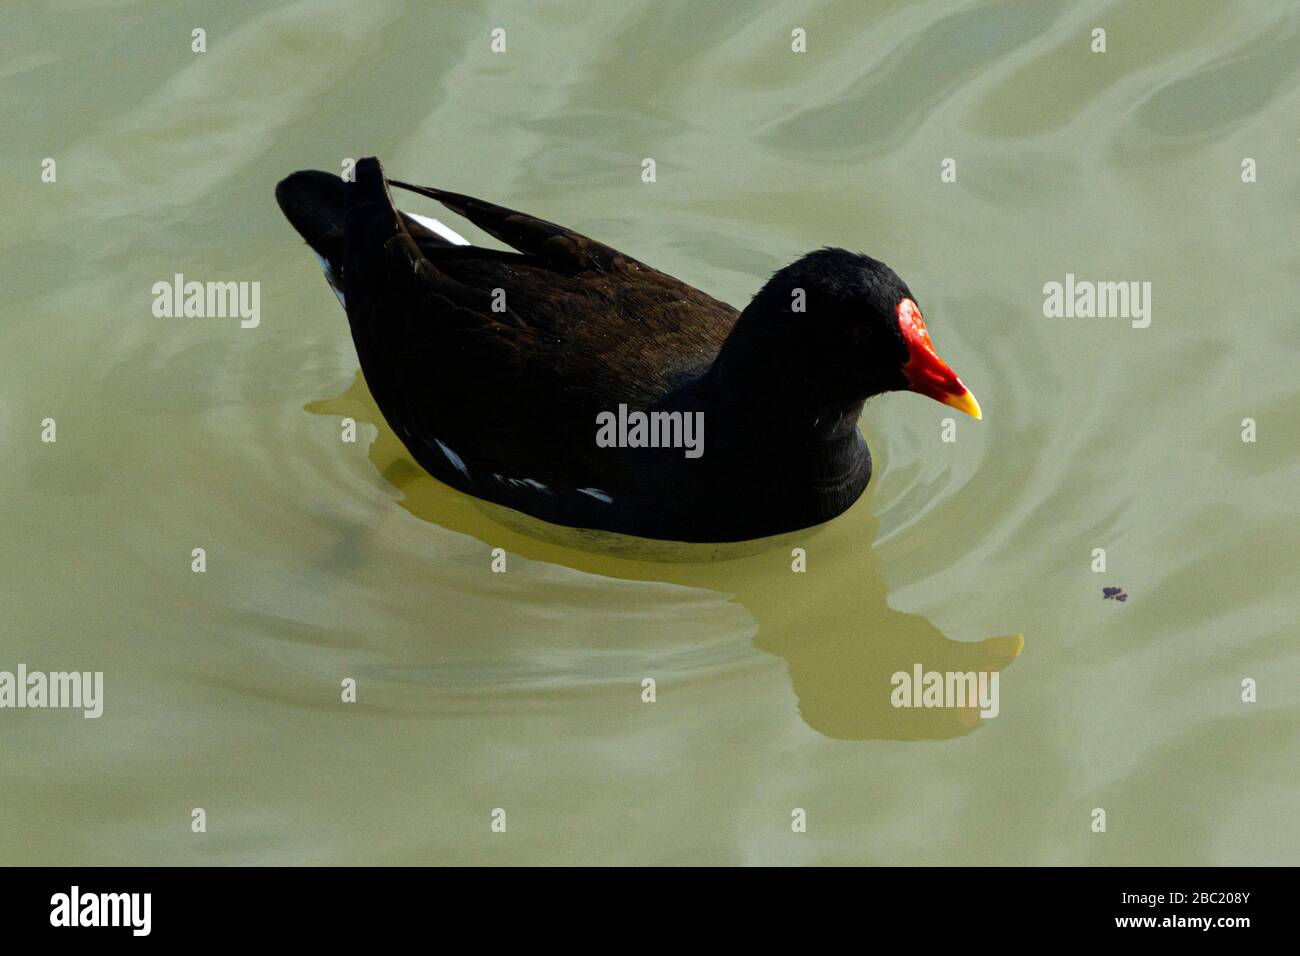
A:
{"x": 926, "y": 373}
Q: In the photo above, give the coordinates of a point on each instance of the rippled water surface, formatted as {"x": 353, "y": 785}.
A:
{"x": 522, "y": 690}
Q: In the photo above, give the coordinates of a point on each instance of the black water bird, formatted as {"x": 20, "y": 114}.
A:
{"x": 499, "y": 369}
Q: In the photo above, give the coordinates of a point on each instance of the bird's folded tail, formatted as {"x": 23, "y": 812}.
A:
{"x": 380, "y": 256}
{"x": 317, "y": 205}
{"x": 313, "y": 202}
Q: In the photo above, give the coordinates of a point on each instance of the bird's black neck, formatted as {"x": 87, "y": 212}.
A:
{"x": 803, "y": 450}
{"x": 751, "y": 390}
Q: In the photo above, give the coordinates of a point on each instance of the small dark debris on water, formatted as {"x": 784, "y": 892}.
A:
{"x": 1116, "y": 593}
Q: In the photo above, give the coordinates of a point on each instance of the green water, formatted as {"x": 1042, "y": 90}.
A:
{"x": 523, "y": 690}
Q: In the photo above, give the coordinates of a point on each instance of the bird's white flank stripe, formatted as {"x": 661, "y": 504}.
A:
{"x": 453, "y": 458}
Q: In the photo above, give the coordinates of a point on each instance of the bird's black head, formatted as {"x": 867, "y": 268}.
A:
{"x": 844, "y": 327}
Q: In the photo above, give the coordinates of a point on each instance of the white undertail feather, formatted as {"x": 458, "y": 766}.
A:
{"x": 329, "y": 277}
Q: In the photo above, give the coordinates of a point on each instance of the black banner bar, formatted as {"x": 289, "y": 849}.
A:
{"x": 337, "y": 904}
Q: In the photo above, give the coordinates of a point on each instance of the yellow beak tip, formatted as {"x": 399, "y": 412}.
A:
{"x": 965, "y": 403}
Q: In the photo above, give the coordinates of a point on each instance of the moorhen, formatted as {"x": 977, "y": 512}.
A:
{"x": 569, "y": 381}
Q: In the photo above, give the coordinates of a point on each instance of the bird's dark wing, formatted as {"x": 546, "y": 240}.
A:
{"x": 505, "y": 358}
{"x": 558, "y": 247}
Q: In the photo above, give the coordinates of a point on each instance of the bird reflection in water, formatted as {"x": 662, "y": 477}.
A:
{"x": 841, "y": 652}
